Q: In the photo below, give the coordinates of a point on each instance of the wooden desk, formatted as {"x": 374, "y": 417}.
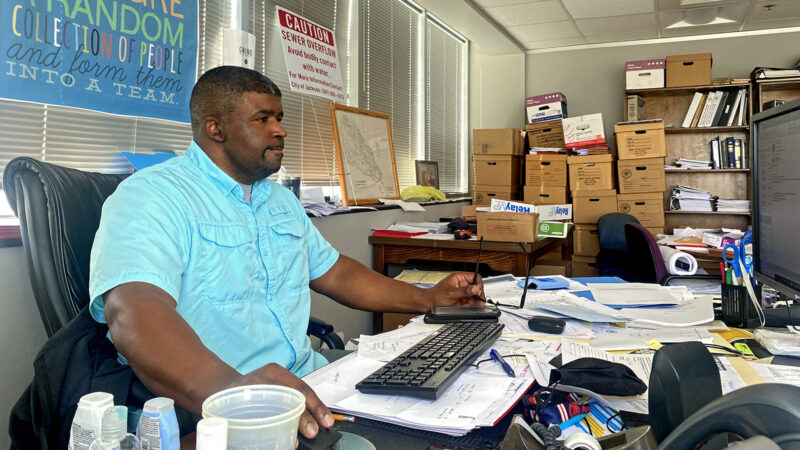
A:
{"x": 499, "y": 256}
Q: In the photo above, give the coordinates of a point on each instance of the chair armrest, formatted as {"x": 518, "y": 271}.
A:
{"x": 324, "y": 331}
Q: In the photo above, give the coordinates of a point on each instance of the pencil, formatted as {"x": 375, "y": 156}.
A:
{"x": 343, "y": 418}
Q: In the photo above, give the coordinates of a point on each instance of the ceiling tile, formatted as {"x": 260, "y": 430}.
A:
{"x": 528, "y": 13}
{"x": 621, "y": 37}
{"x": 772, "y": 24}
{"x": 611, "y": 25}
{"x": 545, "y": 31}
{"x": 675, "y": 5}
{"x": 782, "y": 9}
{"x": 583, "y": 9}
{"x": 553, "y": 43}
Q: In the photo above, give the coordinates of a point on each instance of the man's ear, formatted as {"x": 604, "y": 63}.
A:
{"x": 213, "y": 129}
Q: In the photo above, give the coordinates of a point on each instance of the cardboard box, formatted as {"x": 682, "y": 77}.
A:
{"x": 496, "y": 170}
{"x": 645, "y": 74}
{"x": 655, "y": 230}
{"x": 546, "y": 107}
{"x": 545, "y": 170}
{"x": 499, "y": 141}
{"x": 553, "y": 229}
{"x": 647, "y": 208}
{"x": 584, "y": 131}
{"x": 689, "y": 70}
{"x": 592, "y": 172}
{"x": 584, "y": 266}
{"x": 545, "y": 195}
{"x": 548, "y": 134}
{"x": 469, "y": 212}
{"x": 641, "y": 175}
{"x": 635, "y": 105}
{"x": 589, "y": 206}
{"x": 640, "y": 140}
{"x": 585, "y": 240}
{"x": 546, "y": 212}
{"x": 507, "y": 226}
{"x": 549, "y": 267}
{"x": 482, "y": 195}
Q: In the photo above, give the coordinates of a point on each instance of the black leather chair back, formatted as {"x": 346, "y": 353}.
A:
{"x": 59, "y": 212}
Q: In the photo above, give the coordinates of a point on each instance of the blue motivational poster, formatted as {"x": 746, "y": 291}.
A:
{"x": 129, "y": 57}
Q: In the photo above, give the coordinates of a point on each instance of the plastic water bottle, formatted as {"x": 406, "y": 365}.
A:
{"x": 212, "y": 434}
{"x": 114, "y": 431}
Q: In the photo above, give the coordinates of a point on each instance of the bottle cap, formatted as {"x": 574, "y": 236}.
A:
{"x": 158, "y": 405}
{"x": 97, "y": 400}
{"x": 212, "y": 433}
{"x": 115, "y": 424}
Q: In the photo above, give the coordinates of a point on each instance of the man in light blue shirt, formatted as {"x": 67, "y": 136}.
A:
{"x": 202, "y": 266}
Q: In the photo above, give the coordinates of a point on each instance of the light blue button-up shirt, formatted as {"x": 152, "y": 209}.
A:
{"x": 238, "y": 271}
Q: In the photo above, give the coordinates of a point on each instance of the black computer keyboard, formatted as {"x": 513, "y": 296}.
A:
{"x": 429, "y": 367}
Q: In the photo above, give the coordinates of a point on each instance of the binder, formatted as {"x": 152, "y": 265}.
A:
{"x": 735, "y": 107}
{"x": 730, "y": 153}
{"x": 698, "y": 111}
{"x": 727, "y": 109}
{"x": 737, "y": 151}
{"x": 715, "y": 161}
{"x": 723, "y": 99}
{"x": 687, "y": 121}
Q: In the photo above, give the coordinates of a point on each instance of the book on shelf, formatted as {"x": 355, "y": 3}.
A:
{"x": 723, "y": 98}
{"x": 687, "y": 120}
{"x": 725, "y": 205}
{"x": 710, "y": 109}
{"x": 727, "y": 108}
{"x": 771, "y": 72}
{"x": 735, "y": 108}
{"x": 698, "y": 111}
{"x": 715, "y": 155}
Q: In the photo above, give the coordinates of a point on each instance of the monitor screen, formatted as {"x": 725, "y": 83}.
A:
{"x": 776, "y": 219}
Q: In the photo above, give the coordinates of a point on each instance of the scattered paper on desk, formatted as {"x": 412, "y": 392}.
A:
{"x": 696, "y": 312}
{"x": 731, "y": 379}
{"x": 407, "y": 206}
{"x": 632, "y": 295}
{"x": 783, "y": 343}
{"x": 386, "y": 346}
{"x": 571, "y": 305}
{"x": 772, "y": 373}
{"x": 608, "y": 337}
{"x": 423, "y": 278}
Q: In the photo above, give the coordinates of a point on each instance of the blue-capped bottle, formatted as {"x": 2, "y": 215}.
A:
{"x": 158, "y": 425}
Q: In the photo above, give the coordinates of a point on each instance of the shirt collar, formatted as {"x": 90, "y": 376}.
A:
{"x": 222, "y": 180}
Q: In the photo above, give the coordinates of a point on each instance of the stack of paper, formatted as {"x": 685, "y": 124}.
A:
{"x": 478, "y": 398}
{"x": 726, "y": 205}
{"x": 547, "y": 150}
{"x": 685, "y": 163}
{"x": 685, "y": 198}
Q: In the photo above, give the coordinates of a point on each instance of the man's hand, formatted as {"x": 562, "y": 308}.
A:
{"x": 457, "y": 290}
{"x": 316, "y": 412}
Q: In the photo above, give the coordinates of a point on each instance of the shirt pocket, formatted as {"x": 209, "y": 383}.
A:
{"x": 289, "y": 250}
{"x": 228, "y": 263}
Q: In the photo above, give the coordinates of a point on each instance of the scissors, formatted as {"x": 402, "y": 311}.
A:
{"x": 740, "y": 261}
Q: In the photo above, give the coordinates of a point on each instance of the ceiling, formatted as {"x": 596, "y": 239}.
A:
{"x": 548, "y": 24}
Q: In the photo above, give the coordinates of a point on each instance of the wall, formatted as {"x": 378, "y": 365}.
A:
{"x": 497, "y": 90}
{"x": 21, "y": 333}
{"x": 593, "y": 79}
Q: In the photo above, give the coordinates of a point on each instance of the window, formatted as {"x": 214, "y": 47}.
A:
{"x": 414, "y": 69}
{"x": 424, "y": 95}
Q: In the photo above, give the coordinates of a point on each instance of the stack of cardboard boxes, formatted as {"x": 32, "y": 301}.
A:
{"x": 591, "y": 183}
{"x": 641, "y": 150}
{"x": 496, "y": 164}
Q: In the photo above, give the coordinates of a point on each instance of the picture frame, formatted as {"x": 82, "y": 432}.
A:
{"x": 427, "y": 173}
{"x": 364, "y": 155}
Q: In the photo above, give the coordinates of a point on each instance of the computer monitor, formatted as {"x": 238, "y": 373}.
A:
{"x": 776, "y": 197}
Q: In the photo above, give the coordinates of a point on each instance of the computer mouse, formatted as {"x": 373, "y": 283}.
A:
{"x": 544, "y": 324}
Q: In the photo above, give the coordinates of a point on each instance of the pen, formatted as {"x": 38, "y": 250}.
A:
{"x": 477, "y": 267}
{"x": 496, "y": 356}
{"x": 343, "y": 418}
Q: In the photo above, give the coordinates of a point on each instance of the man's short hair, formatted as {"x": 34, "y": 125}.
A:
{"x": 218, "y": 91}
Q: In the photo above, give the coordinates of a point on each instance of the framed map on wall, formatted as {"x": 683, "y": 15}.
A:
{"x": 364, "y": 155}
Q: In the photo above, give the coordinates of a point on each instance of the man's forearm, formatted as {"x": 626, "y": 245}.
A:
{"x": 352, "y": 284}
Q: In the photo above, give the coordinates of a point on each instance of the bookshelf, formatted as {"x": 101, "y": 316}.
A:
{"x": 670, "y": 105}
{"x": 768, "y": 89}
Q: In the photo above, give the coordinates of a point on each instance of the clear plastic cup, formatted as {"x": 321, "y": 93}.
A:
{"x": 259, "y": 416}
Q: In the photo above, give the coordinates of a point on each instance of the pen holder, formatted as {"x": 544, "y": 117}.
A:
{"x": 737, "y": 308}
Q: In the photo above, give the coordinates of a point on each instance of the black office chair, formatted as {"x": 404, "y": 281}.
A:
{"x": 771, "y": 410}
{"x": 612, "y": 260}
{"x": 59, "y": 212}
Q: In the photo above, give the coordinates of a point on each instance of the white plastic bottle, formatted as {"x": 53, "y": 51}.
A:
{"x": 114, "y": 432}
{"x": 88, "y": 419}
{"x": 212, "y": 434}
{"x": 158, "y": 426}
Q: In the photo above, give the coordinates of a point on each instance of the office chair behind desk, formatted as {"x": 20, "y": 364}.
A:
{"x": 59, "y": 212}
